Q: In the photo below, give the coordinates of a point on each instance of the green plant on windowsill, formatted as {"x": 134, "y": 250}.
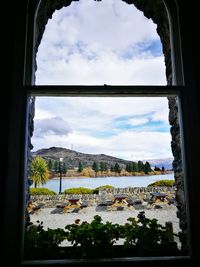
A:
{"x": 141, "y": 236}
{"x": 42, "y": 244}
{"x": 149, "y": 238}
{"x": 95, "y": 239}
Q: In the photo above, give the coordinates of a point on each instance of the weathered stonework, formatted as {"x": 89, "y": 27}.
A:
{"x": 31, "y": 114}
{"x": 134, "y": 193}
{"x": 155, "y": 10}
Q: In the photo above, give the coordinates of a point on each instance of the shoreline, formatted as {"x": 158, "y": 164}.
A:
{"x": 82, "y": 177}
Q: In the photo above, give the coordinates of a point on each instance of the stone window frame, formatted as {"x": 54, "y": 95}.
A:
{"x": 23, "y": 107}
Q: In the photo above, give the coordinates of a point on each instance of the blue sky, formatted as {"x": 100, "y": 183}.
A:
{"x": 96, "y": 43}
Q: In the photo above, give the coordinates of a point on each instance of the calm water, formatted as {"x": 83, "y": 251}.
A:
{"x": 121, "y": 182}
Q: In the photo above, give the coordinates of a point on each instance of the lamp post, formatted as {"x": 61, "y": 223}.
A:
{"x": 60, "y": 165}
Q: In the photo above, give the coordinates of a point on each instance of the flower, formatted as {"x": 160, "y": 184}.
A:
{"x": 77, "y": 221}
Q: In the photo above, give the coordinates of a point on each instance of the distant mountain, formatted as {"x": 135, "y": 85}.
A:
{"x": 72, "y": 158}
{"x": 166, "y": 162}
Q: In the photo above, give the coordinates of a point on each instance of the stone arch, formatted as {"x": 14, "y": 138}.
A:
{"x": 155, "y": 10}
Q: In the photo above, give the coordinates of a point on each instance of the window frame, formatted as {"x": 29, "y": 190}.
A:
{"x": 18, "y": 130}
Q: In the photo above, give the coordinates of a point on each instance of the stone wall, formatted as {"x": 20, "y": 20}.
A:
{"x": 142, "y": 194}
{"x": 28, "y": 182}
{"x": 155, "y": 10}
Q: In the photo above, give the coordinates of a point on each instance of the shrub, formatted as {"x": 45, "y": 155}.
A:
{"x": 103, "y": 186}
{"x": 96, "y": 239}
{"x": 40, "y": 243}
{"x": 163, "y": 183}
{"x": 41, "y": 191}
{"x": 88, "y": 172}
{"x": 93, "y": 238}
{"x": 78, "y": 190}
{"x": 145, "y": 234}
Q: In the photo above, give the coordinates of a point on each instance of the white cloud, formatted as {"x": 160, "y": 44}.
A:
{"x": 138, "y": 121}
{"x": 51, "y": 126}
{"x": 105, "y": 69}
{"x": 99, "y": 43}
{"x": 141, "y": 145}
{"x": 128, "y": 145}
{"x": 94, "y": 130}
{"x": 111, "y": 24}
{"x": 93, "y": 113}
{"x": 104, "y": 42}
{"x": 41, "y": 113}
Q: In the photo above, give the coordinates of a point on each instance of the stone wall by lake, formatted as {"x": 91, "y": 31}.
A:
{"x": 134, "y": 193}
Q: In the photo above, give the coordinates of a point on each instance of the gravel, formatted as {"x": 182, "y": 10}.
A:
{"x": 53, "y": 218}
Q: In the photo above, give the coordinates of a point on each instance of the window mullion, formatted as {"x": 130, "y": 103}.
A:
{"x": 106, "y": 90}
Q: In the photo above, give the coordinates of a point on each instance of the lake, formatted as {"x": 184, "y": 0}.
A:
{"x": 121, "y": 182}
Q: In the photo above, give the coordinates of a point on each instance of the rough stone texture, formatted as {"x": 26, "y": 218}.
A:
{"x": 133, "y": 193}
{"x": 178, "y": 170}
{"x": 155, "y": 10}
{"x": 31, "y": 114}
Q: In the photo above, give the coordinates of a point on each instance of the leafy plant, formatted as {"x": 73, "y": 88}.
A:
{"x": 95, "y": 237}
{"x": 142, "y": 237}
{"x": 40, "y": 243}
{"x": 41, "y": 191}
{"x": 39, "y": 171}
{"x": 145, "y": 234}
{"x": 163, "y": 183}
{"x": 104, "y": 186}
{"x": 78, "y": 190}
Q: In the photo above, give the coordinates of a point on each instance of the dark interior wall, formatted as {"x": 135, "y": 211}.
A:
{"x": 13, "y": 39}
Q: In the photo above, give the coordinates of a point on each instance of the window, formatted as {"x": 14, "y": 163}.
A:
{"x": 180, "y": 91}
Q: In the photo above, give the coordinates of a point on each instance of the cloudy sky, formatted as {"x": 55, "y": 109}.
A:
{"x": 96, "y": 43}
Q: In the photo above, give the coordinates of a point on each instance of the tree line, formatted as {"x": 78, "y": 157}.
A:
{"x": 41, "y": 169}
{"x": 130, "y": 167}
{"x": 55, "y": 166}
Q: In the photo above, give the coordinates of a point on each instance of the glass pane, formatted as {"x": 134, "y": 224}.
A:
{"x": 101, "y": 156}
{"x": 96, "y": 43}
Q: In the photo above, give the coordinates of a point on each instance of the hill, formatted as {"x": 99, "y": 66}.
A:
{"x": 72, "y": 158}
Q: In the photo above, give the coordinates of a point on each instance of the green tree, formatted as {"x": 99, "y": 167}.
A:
{"x": 56, "y": 166}
{"x": 95, "y": 166}
{"x": 112, "y": 168}
{"x": 103, "y": 166}
{"x": 128, "y": 167}
{"x": 50, "y": 165}
{"x": 140, "y": 166}
{"x": 117, "y": 168}
{"x": 147, "y": 167}
{"x": 157, "y": 169}
{"x": 134, "y": 166}
{"x": 64, "y": 167}
{"x": 80, "y": 166}
{"x": 39, "y": 171}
